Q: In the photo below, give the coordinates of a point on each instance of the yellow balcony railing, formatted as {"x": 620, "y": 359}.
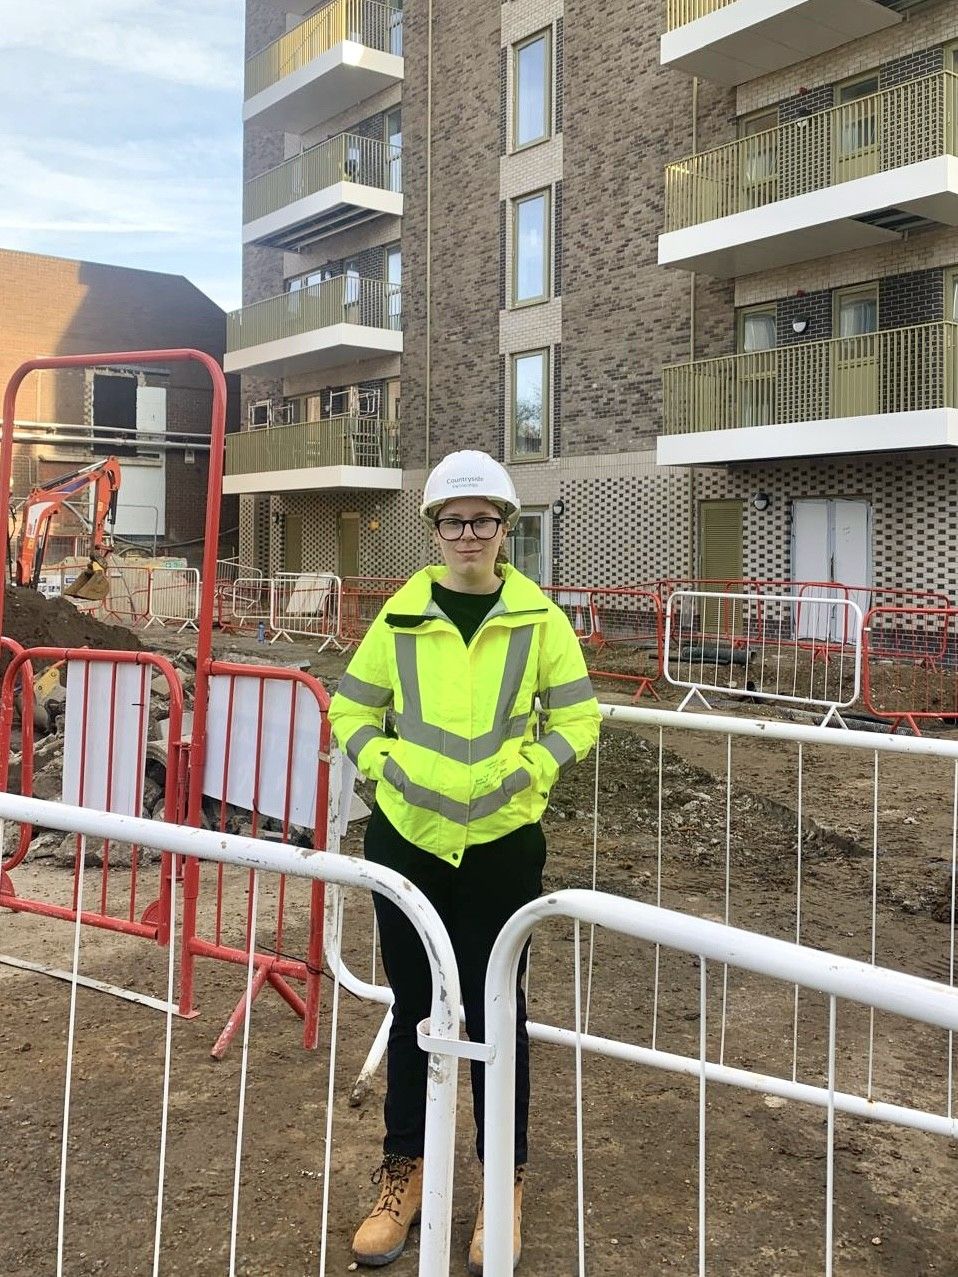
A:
{"x": 368, "y": 22}
{"x": 344, "y": 299}
{"x": 679, "y": 13}
{"x": 900, "y": 370}
{"x": 344, "y": 158}
{"x": 337, "y": 441}
{"x": 904, "y": 125}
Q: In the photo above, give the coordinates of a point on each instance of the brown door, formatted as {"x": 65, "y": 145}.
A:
{"x": 293, "y": 544}
{"x": 720, "y": 562}
{"x": 347, "y": 562}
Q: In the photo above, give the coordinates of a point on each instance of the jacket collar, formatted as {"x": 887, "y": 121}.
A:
{"x": 519, "y": 594}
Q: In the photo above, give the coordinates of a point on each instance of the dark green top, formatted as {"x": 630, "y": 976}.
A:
{"x": 466, "y": 611}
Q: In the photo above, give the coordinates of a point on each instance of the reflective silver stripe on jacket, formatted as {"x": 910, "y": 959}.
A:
{"x": 461, "y": 749}
{"x": 361, "y": 738}
{"x": 363, "y": 693}
{"x": 559, "y": 748}
{"x": 459, "y": 813}
{"x": 565, "y": 694}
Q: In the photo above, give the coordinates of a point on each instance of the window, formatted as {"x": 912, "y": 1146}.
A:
{"x": 759, "y": 156}
{"x": 757, "y": 329}
{"x": 530, "y": 405}
{"x": 394, "y": 286}
{"x": 527, "y": 542}
{"x": 394, "y": 150}
{"x": 856, "y": 311}
{"x": 858, "y": 126}
{"x": 532, "y": 90}
{"x": 951, "y": 295}
{"x": 530, "y": 249}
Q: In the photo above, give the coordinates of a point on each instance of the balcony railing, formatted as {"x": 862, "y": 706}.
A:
{"x": 344, "y": 299}
{"x": 904, "y": 125}
{"x": 679, "y": 13}
{"x": 344, "y": 158}
{"x": 338, "y": 441}
{"x": 900, "y": 370}
{"x": 367, "y": 22}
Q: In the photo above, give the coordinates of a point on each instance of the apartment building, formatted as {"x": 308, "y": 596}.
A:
{"x": 154, "y": 417}
{"x": 690, "y": 273}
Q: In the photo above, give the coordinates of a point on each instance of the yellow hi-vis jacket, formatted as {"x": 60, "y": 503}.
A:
{"x": 465, "y": 767}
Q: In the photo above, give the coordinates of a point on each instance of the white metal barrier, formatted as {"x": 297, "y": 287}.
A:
{"x": 270, "y": 859}
{"x": 305, "y": 604}
{"x": 903, "y": 995}
{"x": 249, "y": 602}
{"x": 795, "y": 649}
{"x": 175, "y": 597}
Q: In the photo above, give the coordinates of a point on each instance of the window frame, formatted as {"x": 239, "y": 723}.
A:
{"x": 861, "y": 78}
{"x": 541, "y": 513}
{"x": 544, "y": 194}
{"x": 545, "y": 352}
{"x": 950, "y": 52}
{"x": 768, "y": 308}
{"x": 745, "y": 120}
{"x": 545, "y": 33}
{"x": 870, "y": 286}
{"x": 951, "y": 284}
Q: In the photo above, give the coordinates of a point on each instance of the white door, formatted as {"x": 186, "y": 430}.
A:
{"x": 830, "y": 542}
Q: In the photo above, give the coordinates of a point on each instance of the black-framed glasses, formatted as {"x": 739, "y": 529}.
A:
{"x": 484, "y": 528}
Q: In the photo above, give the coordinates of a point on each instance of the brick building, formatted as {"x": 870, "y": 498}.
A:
{"x": 66, "y": 418}
{"x": 696, "y": 285}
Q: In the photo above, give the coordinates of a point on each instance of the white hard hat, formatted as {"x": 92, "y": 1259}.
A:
{"x": 470, "y": 474}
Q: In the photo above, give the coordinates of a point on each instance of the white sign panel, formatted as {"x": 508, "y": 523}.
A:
{"x": 269, "y": 741}
{"x": 108, "y": 755}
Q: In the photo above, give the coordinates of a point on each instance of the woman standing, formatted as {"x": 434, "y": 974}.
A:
{"x": 460, "y": 654}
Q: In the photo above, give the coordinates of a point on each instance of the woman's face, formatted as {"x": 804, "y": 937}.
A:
{"x": 470, "y": 560}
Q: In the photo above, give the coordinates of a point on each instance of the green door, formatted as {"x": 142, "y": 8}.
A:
{"x": 293, "y": 544}
{"x": 720, "y": 561}
{"x": 347, "y": 563}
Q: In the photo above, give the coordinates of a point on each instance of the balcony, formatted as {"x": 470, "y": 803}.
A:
{"x": 853, "y": 176}
{"x": 337, "y": 321}
{"x": 337, "y": 184}
{"x": 885, "y": 391}
{"x": 334, "y": 60}
{"x": 730, "y": 41}
{"x": 341, "y": 452}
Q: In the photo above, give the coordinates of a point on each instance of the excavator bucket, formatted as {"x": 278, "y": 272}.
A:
{"x": 92, "y": 584}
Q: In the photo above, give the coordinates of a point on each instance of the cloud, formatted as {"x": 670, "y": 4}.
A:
{"x": 193, "y": 44}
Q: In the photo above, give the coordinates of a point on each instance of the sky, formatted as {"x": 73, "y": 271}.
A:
{"x": 121, "y": 134}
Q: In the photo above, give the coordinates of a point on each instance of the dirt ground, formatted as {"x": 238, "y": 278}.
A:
{"x": 896, "y": 1212}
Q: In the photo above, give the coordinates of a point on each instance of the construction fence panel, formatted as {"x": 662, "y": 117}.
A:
{"x": 362, "y": 598}
{"x": 718, "y": 948}
{"x": 265, "y": 772}
{"x": 576, "y": 603}
{"x": 175, "y": 597}
{"x": 628, "y": 630}
{"x": 13, "y": 849}
{"x": 802, "y": 649}
{"x": 244, "y": 604}
{"x": 148, "y": 1227}
{"x": 305, "y": 604}
{"x": 910, "y": 665}
{"x": 113, "y": 701}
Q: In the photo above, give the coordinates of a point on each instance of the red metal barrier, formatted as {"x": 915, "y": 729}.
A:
{"x": 14, "y": 650}
{"x": 910, "y": 664}
{"x": 266, "y": 769}
{"x": 104, "y": 766}
{"x": 632, "y": 619}
{"x": 362, "y": 600}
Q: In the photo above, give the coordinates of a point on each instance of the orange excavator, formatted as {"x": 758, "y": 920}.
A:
{"x": 44, "y": 503}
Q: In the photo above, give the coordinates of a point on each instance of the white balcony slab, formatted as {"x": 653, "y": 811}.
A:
{"x": 314, "y": 479}
{"x": 340, "y": 78}
{"x": 817, "y": 224}
{"x": 319, "y": 348}
{"x": 753, "y": 37}
{"x": 835, "y": 437}
{"x": 306, "y": 220}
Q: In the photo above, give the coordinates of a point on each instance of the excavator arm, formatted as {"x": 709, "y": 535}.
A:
{"x": 42, "y": 506}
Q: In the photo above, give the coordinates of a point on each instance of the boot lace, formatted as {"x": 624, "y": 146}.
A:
{"x": 393, "y": 1175}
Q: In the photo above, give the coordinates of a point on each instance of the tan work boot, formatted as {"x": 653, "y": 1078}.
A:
{"x": 381, "y": 1237}
{"x": 476, "y": 1245}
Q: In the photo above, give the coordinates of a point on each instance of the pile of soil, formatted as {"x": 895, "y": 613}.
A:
{"x": 35, "y": 621}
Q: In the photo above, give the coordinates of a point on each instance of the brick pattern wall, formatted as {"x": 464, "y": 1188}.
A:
{"x": 502, "y": 413}
{"x": 503, "y": 100}
{"x": 557, "y": 240}
{"x": 557, "y": 400}
{"x": 503, "y": 234}
{"x": 917, "y": 297}
{"x": 815, "y": 307}
{"x": 559, "y": 26}
{"x": 913, "y": 66}
{"x": 819, "y": 98}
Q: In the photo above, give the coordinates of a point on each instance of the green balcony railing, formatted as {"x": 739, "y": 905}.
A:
{"x": 900, "y": 370}
{"x": 338, "y": 441}
{"x": 887, "y": 130}
{"x": 344, "y": 158}
{"x": 344, "y": 299}
{"x": 368, "y": 22}
{"x": 679, "y": 13}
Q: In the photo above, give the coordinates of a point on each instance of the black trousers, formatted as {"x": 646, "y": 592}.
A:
{"x": 492, "y": 881}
